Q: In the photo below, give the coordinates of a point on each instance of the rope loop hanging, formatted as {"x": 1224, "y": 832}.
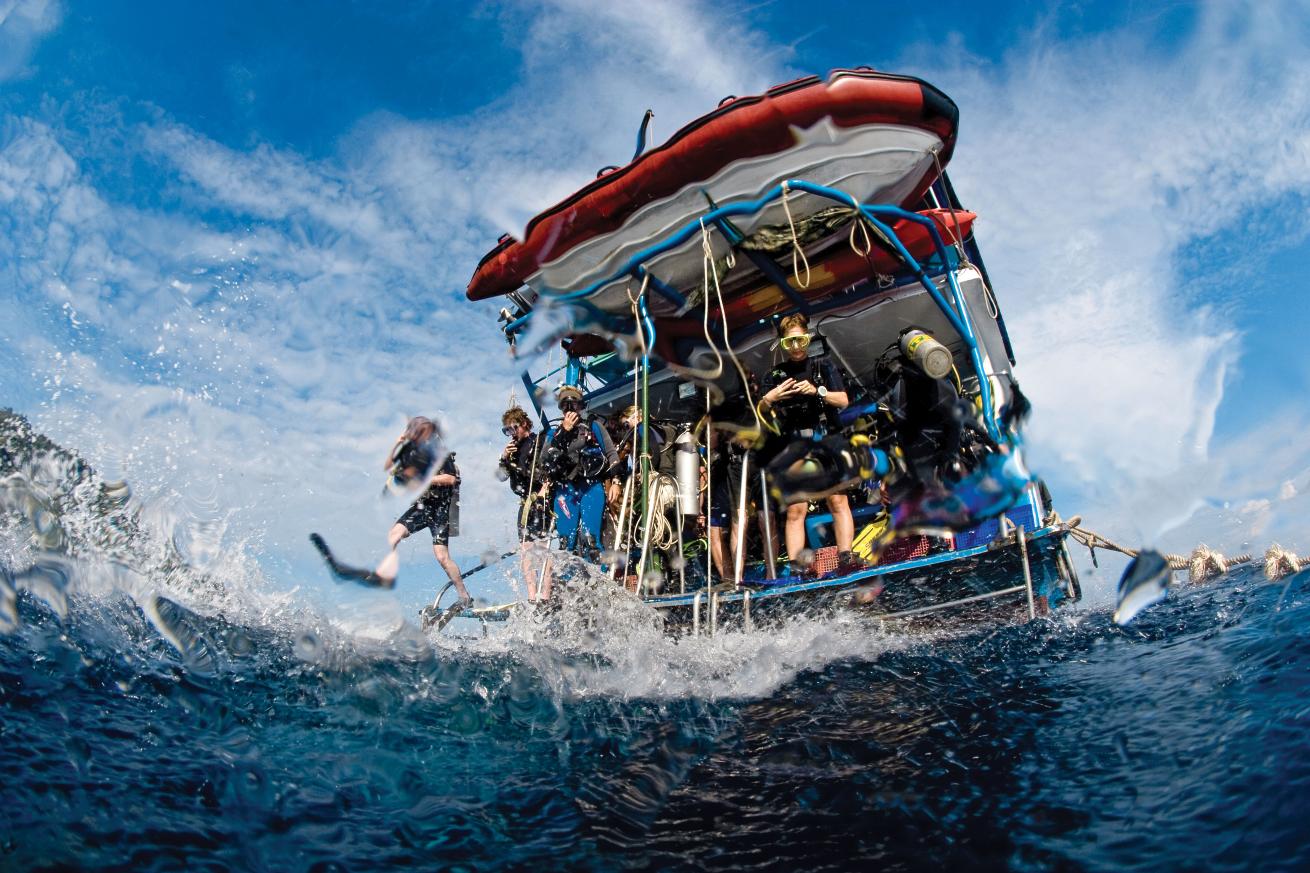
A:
{"x": 797, "y": 253}
{"x": 959, "y": 235}
{"x": 868, "y": 241}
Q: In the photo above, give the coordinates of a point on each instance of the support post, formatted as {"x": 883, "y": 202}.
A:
{"x": 1027, "y": 571}
{"x": 766, "y": 515}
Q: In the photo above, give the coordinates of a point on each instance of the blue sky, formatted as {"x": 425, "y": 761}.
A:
{"x": 234, "y": 237}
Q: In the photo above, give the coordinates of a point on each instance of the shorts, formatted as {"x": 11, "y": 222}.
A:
{"x": 534, "y": 521}
{"x": 429, "y": 513}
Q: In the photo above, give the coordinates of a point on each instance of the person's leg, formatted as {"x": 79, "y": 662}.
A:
{"x": 843, "y": 524}
{"x": 795, "y": 533}
{"x": 592, "y": 505}
{"x": 390, "y": 565}
{"x": 452, "y": 570}
{"x": 716, "y": 551}
{"x": 544, "y": 580}
{"x": 525, "y": 566}
{"x": 567, "y": 515}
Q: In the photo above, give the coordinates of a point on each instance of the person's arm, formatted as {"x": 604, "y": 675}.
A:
{"x": 448, "y": 474}
{"x": 836, "y": 395}
{"x": 554, "y": 451}
{"x": 606, "y": 446}
{"x": 774, "y": 390}
{"x": 391, "y": 455}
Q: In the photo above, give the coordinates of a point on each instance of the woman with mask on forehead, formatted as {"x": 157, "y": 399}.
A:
{"x": 520, "y": 462}
{"x": 804, "y": 394}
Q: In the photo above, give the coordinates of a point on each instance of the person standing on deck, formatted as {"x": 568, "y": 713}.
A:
{"x": 800, "y": 392}
{"x": 578, "y": 457}
{"x": 521, "y": 464}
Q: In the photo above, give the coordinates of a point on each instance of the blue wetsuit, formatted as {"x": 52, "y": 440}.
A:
{"x": 579, "y": 462}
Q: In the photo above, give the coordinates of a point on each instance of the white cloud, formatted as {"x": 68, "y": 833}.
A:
{"x": 258, "y": 348}
{"x": 292, "y": 312}
{"x": 22, "y": 24}
{"x": 1094, "y": 164}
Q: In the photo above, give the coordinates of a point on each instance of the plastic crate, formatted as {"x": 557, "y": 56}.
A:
{"x": 825, "y": 561}
{"x": 1022, "y": 516}
{"x": 905, "y": 549}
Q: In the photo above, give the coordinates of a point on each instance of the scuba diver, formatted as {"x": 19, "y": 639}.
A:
{"x": 804, "y": 394}
{"x": 520, "y": 463}
{"x": 417, "y": 457}
{"x": 578, "y": 457}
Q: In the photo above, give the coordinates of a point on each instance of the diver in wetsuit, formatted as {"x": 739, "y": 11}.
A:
{"x": 520, "y": 462}
{"x": 436, "y": 509}
{"x": 804, "y": 393}
{"x": 578, "y": 457}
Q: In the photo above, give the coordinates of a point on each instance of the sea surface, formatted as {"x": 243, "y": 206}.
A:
{"x": 140, "y": 734}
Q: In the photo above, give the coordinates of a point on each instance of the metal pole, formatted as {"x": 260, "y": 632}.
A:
{"x": 695, "y": 613}
{"x": 710, "y": 443}
{"x": 739, "y": 559}
{"x": 619, "y": 534}
{"x": 1027, "y": 571}
{"x": 746, "y": 611}
{"x": 770, "y": 548}
{"x": 682, "y": 560}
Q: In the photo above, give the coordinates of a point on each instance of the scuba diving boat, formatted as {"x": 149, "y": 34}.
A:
{"x": 663, "y": 282}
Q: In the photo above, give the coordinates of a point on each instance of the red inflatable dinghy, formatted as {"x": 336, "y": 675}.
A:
{"x": 872, "y": 135}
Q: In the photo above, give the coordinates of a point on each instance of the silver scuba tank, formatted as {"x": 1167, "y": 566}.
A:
{"x": 687, "y": 466}
{"x": 926, "y": 353}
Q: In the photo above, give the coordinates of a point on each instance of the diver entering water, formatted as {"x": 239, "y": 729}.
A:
{"x": 804, "y": 393}
{"x": 520, "y": 462}
{"x": 417, "y": 457}
{"x": 436, "y": 509}
{"x": 578, "y": 457}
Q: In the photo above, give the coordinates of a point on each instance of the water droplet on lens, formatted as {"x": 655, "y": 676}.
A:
{"x": 239, "y": 644}
{"x": 307, "y": 647}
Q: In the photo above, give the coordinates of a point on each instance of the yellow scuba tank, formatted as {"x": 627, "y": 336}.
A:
{"x": 930, "y": 356}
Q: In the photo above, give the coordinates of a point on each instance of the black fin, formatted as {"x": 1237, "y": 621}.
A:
{"x": 346, "y": 573}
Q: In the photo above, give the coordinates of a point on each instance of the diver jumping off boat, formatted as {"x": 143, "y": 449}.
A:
{"x": 416, "y": 457}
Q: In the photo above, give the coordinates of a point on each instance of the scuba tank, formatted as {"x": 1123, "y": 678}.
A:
{"x": 411, "y": 461}
{"x": 687, "y": 465}
{"x": 930, "y": 356}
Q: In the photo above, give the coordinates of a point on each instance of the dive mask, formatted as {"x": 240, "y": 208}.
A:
{"x": 798, "y": 341}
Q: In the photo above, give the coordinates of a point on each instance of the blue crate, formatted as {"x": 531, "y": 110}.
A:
{"x": 1022, "y": 516}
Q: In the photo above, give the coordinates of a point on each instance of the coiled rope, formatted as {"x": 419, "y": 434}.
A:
{"x": 1203, "y": 564}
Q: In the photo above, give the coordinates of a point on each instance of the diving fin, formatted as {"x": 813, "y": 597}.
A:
{"x": 346, "y": 573}
{"x": 1145, "y": 582}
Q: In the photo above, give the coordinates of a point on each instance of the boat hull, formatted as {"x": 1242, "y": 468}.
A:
{"x": 963, "y": 585}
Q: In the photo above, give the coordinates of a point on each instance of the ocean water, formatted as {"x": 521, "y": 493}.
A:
{"x": 139, "y": 734}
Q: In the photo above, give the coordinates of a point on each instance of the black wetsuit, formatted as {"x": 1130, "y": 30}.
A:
{"x": 805, "y": 415}
{"x": 526, "y": 476}
{"x": 437, "y": 508}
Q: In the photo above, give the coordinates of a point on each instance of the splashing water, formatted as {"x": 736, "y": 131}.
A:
{"x": 155, "y": 715}
{"x": 143, "y": 732}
